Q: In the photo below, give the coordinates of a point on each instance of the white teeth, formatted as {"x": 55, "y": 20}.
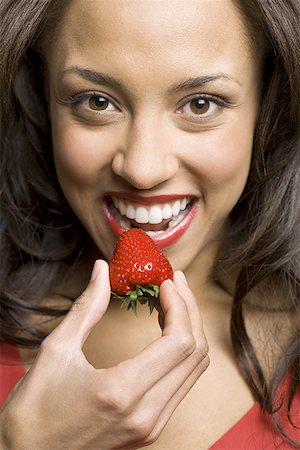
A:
{"x": 183, "y": 203}
{"x": 154, "y": 233}
{"x": 151, "y": 233}
{"x": 176, "y": 208}
{"x": 141, "y": 215}
{"x": 150, "y": 214}
{"x": 176, "y": 220}
{"x": 167, "y": 211}
{"x": 125, "y": 223}
{"x": 130, "y": 212}
{"x": 155, "y": 215}
{"x": 122, "y": 208}
{"x": 172, "y": 223}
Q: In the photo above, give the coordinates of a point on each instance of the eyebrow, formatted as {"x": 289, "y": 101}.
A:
{"x": 92, "y": 75}
{"x": 202, "y": 80}
{"x": 105, "y": 79}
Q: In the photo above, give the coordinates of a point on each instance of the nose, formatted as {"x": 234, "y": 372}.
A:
{"x": 146, "y": 159}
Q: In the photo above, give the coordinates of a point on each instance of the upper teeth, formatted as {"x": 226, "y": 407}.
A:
{"x": 153, "y": 214}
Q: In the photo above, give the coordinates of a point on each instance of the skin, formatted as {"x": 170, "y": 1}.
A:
{"x": 150, "y": 142}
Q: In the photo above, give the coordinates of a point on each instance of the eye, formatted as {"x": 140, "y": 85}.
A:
{"x": 91, "y": 103}
{"x": 94, "y": 107}
{"x": 98, "y": 103}
{"x": 200, "y": 107}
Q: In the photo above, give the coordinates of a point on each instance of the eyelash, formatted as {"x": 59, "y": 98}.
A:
{"x": 218, "y": 101}
{"x": 76, "y": 101}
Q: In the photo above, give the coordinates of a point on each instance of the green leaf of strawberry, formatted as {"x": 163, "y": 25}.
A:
{"x": 137, "y": 269}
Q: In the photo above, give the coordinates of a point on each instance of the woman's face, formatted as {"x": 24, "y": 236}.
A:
{"x": 153, "y": 106}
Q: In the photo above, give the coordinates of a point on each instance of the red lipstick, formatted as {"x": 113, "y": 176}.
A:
{"x": 147, "y": 200}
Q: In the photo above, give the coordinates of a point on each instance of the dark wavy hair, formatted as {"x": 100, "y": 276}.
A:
{"x": 41, "y": 238}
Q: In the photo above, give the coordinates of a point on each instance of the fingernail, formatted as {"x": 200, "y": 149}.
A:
{"x": 95, "y": 271}
{"x": 182, "y": 277}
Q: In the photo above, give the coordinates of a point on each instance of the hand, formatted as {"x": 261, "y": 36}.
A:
{"x": 65, "y": 403}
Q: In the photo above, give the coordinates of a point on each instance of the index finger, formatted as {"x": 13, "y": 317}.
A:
{"x": 191, "y": 304}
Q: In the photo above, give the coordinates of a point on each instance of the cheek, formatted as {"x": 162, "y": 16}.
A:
{"x": 221, "y": 159}
{"x": 228, "y": 159}
{"x": 79, "y": 153}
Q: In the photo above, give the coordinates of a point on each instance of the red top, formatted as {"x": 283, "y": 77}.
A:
{"x": 254, "y": 431}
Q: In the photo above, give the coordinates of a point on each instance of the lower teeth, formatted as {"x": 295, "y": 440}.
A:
{"x": 124, "y": 223}
{"x": 155, "y": 233}
{"x": 176, "y": 220}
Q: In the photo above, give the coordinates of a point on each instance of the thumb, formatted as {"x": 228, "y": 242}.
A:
{"x": 88, "y": 309}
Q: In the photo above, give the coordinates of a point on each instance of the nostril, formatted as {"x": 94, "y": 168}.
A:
{"x": 144, "y": 169}
{"x": 117, "y": 163}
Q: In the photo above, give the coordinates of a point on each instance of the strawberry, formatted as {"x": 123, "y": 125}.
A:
{"x": 137, "y": 269}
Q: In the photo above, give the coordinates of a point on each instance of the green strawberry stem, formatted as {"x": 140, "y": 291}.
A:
{"x": 144, "y": 294}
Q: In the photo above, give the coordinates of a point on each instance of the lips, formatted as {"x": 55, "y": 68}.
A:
{"x": 165, "y": 218}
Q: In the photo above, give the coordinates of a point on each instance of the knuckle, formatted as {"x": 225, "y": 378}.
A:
{"x": 186, "y": 345}
{"x": 152, "y": 437}
{"x": 140, "y": 426}
{"x": 206, "y": 362}
{"x": 202, "y": 349}
{"x": 51, "y": 346}
{"x": 80, "y": 302}
{"x": 115, "y": 401}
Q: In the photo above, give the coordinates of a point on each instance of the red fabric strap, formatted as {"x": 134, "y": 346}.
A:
{"x": 11, "y": 369}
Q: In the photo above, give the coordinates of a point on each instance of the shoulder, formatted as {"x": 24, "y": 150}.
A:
{"x": 287, "y": 413}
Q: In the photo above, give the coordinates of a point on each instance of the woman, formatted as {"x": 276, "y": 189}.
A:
{"x": 111, "y": 109}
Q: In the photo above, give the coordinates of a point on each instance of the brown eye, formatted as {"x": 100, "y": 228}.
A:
{"x": 199, "y": 106}
{"x": 98, "y": 103}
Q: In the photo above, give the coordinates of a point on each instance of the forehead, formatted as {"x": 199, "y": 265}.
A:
{"x": 137, "y": 32}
